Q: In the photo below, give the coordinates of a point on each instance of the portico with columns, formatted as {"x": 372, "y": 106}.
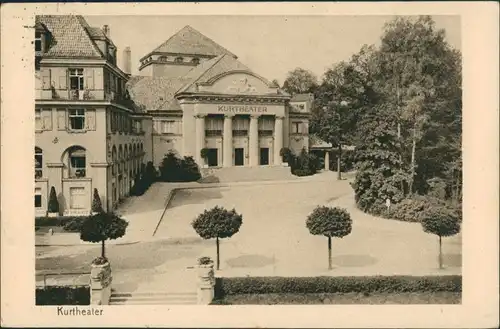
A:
{"x": 250, "y": 133}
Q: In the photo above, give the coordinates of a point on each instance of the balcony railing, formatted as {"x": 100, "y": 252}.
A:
{"x": 77, "y": 173}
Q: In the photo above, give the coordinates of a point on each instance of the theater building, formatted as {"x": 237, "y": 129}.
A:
{"x": 96, "y": 125}
{"x": 201, "y": 97}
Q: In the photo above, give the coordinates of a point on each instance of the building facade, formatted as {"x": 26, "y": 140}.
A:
{"x": 202, "y": 98}
{"x": 87, "y": 133}
{"x": 97, "y": 126}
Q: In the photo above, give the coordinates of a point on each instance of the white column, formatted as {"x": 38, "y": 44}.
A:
{"x": 254, "y": 140}
{"x": 278, "y": 139}
{"x": 227, "y": 151}
{"x": 327, "y": 160}
{"x": 200, "y": 138}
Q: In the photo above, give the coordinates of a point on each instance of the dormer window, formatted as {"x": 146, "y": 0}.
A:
{"x": 195, "y": 60}
{"x": 179, "y": 59}
{"x": 38, "y": 41}
{"x": 163, "y": 58}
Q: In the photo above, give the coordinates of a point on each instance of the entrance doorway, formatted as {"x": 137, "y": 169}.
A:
{"x": 212, "y": 158}
{"x": 238, "y": 157}
{"x": 264, "y": 156}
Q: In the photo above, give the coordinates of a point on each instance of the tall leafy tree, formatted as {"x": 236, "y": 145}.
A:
{"x": 300, "y": 81}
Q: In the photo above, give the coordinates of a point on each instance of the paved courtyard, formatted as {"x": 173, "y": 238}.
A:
{"x": 273, "y": 239}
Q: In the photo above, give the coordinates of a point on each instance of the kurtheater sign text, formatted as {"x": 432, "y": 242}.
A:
{"x": 242, "y": 108}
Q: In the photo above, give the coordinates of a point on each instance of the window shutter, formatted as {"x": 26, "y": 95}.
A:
{"x": 89, "y": 78}
{"x": 90, "y": 119}
{"x": 46, "y": 78}
{"x": 63, "y": 79}
{"x": 47, "y": 119}
{"x": 61, "y": 119}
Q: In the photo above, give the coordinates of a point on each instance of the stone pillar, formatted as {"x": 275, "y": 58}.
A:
{"x": 254, "y": 140}
{"x": 278, "y": 139}
{"x": 200, "y": 138}
{"x": 100, "y": 284}
{"x": 327, "y": 160}
{"x": 206, "y": 284}
{"x": 227, "y": 151}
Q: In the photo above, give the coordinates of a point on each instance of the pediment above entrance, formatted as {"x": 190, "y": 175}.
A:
{"x": 243, "y": 83}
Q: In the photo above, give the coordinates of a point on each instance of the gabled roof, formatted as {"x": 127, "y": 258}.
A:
{"x": 69, "y": 37}
{"x": 155, "y": 94}
{"x": 190, "y": 41}
{"x": 211, "y": 69}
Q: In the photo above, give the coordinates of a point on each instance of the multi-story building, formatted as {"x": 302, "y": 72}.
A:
{"x": 201, "y": 97}
{"x": 89, "y": 134}
{"x": 96, "y": 125}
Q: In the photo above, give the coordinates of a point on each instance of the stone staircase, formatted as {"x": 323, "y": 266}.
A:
{"x": 153, "y": 298}
{"x": 246, "y": 174}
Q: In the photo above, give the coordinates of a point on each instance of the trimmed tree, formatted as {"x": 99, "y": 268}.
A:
{"x": 53, "y": 205}
{"x": 330, "y": 222}
{"x": 101, "y": 227}
{"x": 441, "y": 221}
{"x": 217, "y": 223}
{"x": 96, "y": 202}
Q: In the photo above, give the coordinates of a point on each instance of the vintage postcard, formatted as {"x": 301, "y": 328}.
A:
{"x": 250, "y": 165}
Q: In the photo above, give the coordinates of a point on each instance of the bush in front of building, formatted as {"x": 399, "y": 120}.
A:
{"x": 218, "y": 223}
{"x": 305, "y": 164}
{"x": 69, "y": 223}
{"x": 175, "y": 169}
{"x": 53, "y": 205}
{"x": 144, "y": 180}
{"x": 329, "y": 222}
{"x": 96, "y": 202}
{"x": 225, "y": 286}
{"x": 63, "y": 295}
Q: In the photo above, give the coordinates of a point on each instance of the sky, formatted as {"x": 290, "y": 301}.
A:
{"x": 269, "y": 45}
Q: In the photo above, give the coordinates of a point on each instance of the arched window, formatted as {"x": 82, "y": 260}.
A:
{"x": 195, "y": 60}
{"x": 179, "y": 59}
{"x": 120, "y": 159}
{"x": 77, "y": 162}
{"x": 38, "y": 163}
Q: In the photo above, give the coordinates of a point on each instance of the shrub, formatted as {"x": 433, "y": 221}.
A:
{"x": 102, "y": 227}
{"x": 190, "y": 172}
{"x": 70, "y": 223}
{"x": 336, "y": 284}
{"x": 306, "y": 164}
{"x": 74, "y": 225}
{"x": 204, "y": 153}
{"x": 63, "y": 295}
{"x": 329, "y": 222}
{"x": 144, "y": 179}
{"x": 217, "y": 223}
{"x": 442, "y": 222}
{"x": 286, "y": 154}
{"x": 174, "y": 169}
{"x": 96, "y": 202}
{"x": 53, "y": 205}
{"x": 410, "y": 209}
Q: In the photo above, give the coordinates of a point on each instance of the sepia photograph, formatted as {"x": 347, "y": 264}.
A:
{"x": 172, "y": 171}
{"x": 220, "y": 160}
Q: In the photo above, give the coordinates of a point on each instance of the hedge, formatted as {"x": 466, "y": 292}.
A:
{"x": 341, "y": 284}
{"x": 69, "y": 223}
{"x": 63, "y": 295}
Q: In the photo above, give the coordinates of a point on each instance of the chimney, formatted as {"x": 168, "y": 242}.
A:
{"x": 105, "y": 30}
{"x": 127, "y": 61}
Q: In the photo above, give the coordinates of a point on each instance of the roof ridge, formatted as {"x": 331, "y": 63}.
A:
{"x": 85, "y": 26}
{"x": 217, "y": 60}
